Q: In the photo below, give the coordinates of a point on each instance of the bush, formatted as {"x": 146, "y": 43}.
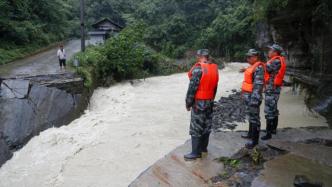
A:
{"x": 123, "y": 57}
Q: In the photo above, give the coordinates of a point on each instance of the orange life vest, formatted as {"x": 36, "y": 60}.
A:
{"x": 278, "y": 79}
{"x": 248, "y": 83}
{"x": 208, "y": 82}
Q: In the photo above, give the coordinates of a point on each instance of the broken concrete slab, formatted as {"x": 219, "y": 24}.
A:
{"x": 282, "y": 170}
{"x": 173, "y": 170}
{"x": 14, "y": 88}
{"x": 319, "y": 153}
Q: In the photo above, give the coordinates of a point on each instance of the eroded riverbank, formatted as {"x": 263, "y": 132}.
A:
{"x": 127, "y": 128}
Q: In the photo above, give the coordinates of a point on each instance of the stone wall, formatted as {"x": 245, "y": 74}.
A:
{"x": 30, "y": 105}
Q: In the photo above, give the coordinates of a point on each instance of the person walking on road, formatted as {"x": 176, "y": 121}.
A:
{"x": 204, "y": 77}
{"x": 275, "y": 72}
{"x": 252, "y": 93}
{"x": 62, "y": 57}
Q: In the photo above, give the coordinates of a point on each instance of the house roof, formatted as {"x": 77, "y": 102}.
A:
{"x": 108, "y": 20}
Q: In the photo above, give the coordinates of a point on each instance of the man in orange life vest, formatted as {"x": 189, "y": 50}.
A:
{"x": 202, "y": 89}
{"x": 252, "y": 91}
{"x": 275, "y": 72}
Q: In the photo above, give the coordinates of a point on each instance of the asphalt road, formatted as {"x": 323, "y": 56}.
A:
{"x": 40, "y": 64}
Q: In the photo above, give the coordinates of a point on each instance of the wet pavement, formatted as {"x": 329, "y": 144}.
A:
{"x": 173, "y": 170}
{"x": 301, "y": 159}
{"x": 43, "y": 63}
{"x": 281, "y": 172}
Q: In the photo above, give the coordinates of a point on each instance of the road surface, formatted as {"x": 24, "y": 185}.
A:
{"x": 40, "y": 64}
{"x": 127, "y": 128}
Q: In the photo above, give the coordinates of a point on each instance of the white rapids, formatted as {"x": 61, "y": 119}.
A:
{"x": 126, "y": 129}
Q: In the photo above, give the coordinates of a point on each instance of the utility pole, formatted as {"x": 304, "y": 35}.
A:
{"x": 82, "y": 7}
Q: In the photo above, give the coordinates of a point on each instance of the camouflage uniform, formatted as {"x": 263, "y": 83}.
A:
{"x": 272, "y": 92}
{"x": 201, "y": 113}
{"x": 253, "y": 100}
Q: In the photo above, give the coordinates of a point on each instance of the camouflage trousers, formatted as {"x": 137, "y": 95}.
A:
{"x": 252, "y": 111}
{"x": 271, "y": 105}
{"x": 201, "y": 118}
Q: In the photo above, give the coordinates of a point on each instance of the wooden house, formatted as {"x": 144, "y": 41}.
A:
{"x": 102, "y": 30}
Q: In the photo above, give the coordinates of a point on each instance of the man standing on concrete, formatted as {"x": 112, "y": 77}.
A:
{"x": 275, "y": 72}
{"x": 62, "y": 57}
{"x": 204, "y": 77}
{"x": 252, "y": 91}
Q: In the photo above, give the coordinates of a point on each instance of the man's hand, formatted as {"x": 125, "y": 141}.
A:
{"x": 188, "y": 108}
{"x": 242, "y": 70}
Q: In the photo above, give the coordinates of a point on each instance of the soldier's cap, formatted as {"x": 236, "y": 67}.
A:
{"x": 252, "y": 52}
{"x": 276, "y": 47}
{"x": 203, "y": 52}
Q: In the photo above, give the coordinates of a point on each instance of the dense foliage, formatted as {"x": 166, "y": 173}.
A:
{"x": 26, "y": 25}
{"x": 123, "y": 57}
{"x": 173, "y": 27}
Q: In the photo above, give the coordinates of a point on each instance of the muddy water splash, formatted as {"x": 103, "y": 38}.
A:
{"x": 127, "y": 128}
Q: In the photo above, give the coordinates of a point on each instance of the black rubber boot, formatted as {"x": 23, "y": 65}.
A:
{"x": 255, "y": 137}
{"x": 205, "y": 143}
{"x": 249, "y": 134}
{"x": 269, "y": 127}
{"x": 275, "y": 125}
{"x": 196, "y": 152}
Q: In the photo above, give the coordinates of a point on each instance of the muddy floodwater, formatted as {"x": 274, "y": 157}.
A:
{"x": 293, "y": 112}
{"x": 126, "y": 129}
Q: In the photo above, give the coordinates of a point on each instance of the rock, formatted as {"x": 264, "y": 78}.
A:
{"x": 13, "y": 88}
{"x": 228, "y": 111}
{"x": 303, "y": 181}
{"x": 5, "y": 153}
{"x": 304, "y": 30}
{"x": 30, "y": 105}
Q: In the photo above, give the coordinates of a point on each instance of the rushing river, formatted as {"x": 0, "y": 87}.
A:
{"x": 126, "y": 129}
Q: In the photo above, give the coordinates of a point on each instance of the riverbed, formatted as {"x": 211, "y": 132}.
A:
{"x": 126, "y": 128}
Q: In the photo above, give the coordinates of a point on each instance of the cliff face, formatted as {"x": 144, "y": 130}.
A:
{"x": 304, "y": 29}
{"x": 30, "y": 105}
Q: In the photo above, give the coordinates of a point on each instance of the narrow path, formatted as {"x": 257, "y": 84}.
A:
{"x": 127, "y": 128}
{"x": 40, "y": 64}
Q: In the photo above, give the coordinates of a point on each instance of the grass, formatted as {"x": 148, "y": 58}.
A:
{"x": 11, "y": 53}
{"x": 233, "y": 163}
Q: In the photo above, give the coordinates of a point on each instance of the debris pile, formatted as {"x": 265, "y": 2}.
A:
{"x": 244, "y": 166}
{"x": 229, "y": 111}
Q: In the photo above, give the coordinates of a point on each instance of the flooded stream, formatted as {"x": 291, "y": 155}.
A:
{"x": 126, "y": 129}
